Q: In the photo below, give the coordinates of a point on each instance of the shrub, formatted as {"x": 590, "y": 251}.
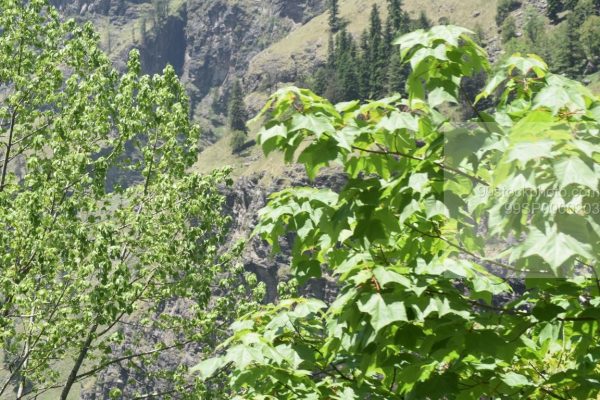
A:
{"x": 509, "y": 29}
{"x": 238, "y": 141}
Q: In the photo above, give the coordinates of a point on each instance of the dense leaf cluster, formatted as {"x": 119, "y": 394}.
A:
{"x": 101, "y": 223}
{"x": 434, "y": 219}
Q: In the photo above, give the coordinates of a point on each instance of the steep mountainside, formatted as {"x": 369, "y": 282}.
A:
{"x": 207, "y": 41}
{"x": 210, "y": 42}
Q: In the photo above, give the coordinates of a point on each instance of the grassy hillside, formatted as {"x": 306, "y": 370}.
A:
{"x": 309, "y": 42}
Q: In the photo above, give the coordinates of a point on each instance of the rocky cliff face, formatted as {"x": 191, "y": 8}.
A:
{"x": 209, "y": 42}
{"x": 223, "y": 37}
{"x": 244, "y": 202}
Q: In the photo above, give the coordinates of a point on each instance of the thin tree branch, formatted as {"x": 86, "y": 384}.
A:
{"x": 130, "y": 357}
{"x": 441, "y": 165}
{"x": 80, "y": 358}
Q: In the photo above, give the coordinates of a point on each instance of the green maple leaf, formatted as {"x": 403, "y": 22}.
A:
{"x": 383, "y": 314}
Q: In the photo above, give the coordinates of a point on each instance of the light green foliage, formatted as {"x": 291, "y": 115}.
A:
{"x": 432, "y": 219}
{"x": 100, "y": 223}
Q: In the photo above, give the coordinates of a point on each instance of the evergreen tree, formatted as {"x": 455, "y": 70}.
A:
{"x": 504, "y": 8}
{"x": 237, "y": 141}
{"x": 331, "y": 53}
{"x": 364, "y": 67}
{"x": 376, "y": 55}
{"x": 575, "y": 19}
{"x": 560, "y": 50}
{"x": 423, "y": 22}
{"x": 121, "y": 7}
{"x": 237, "y": 109}
{"x": 160, "y": 11}
{"x": 343, "y": 43}
{"x": 347, "y": 74}
{"x": 388, "y": 38}
{"x": 480, "y": 36}
{"x": 320, "y": 81}
{"x": 396, "y": 17}
{"x": 570, "y": 4}
{"x": 397, "y": 74}
{"x": 334, "y": 19}
{"x": 585, "y": 8}
{"x": 341, "y": 73}
{"x": 397, "y": 23}
{"x": 375, "y": 27}
{"x": 143, "y": 30}
{"x": 108, "y": 37}
{"x": 365, "y": 70}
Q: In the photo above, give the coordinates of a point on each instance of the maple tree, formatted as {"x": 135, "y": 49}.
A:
{"x": 466, "y": 252}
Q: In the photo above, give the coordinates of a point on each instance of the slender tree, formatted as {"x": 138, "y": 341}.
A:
{"x": 590, "y": 40}
{"x": 364, "y": 66}
{"x": 423, "y": 22}
{"x": 236, "y": 113}
{"x": 347, "y": 72}
{"x": 331, "y": 52}
{"x": 377, "y": 56}
{"x": 334, "y": 16}
{"x": 397, "y": 74}
{"x": 571, "y": 43}
{"x": 143, "y": 29}
{"x": 395, "y": 15}
{"x": 121, "y": 7}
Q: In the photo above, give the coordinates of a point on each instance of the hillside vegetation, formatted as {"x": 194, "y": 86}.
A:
{"x": 306, "y": 46}
{"x": 437, "y": 235}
